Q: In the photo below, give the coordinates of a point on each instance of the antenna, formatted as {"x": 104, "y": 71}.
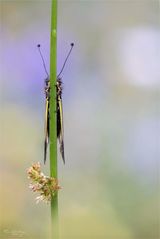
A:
{"x": 44, "y": 65}
{"x": 72, "y": 44}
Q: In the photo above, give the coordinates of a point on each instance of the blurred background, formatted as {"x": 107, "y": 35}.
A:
{"x": 110, "y": 181}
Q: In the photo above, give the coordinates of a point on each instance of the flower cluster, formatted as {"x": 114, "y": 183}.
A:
{"x": 45, "y": 186}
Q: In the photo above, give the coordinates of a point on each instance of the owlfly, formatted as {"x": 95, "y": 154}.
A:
{"x": 59, "y": 111}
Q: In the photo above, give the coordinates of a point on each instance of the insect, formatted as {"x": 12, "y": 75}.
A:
{"x": 59, "y": 111}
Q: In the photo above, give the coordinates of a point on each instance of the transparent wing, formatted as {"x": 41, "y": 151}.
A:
{"x": 46, "y": 129}
{"x": 61, "y": 129}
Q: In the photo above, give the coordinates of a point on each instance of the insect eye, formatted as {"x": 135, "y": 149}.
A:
{"x": 47, "y": 79}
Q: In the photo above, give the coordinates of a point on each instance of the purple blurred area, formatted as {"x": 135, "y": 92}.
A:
{"x": 110, "y": 183}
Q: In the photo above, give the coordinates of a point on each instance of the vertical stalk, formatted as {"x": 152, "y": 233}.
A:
{"x": 53, "y": 118}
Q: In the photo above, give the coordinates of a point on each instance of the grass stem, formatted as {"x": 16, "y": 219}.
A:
{"x": 53, "y": 118}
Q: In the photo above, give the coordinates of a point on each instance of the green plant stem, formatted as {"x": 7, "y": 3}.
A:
{"x": 53, "y": 118}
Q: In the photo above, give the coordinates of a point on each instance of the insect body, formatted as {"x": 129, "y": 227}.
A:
{"x": 59, "y": 111}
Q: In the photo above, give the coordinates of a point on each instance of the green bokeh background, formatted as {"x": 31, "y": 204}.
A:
{"x": 110, "y": 182}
